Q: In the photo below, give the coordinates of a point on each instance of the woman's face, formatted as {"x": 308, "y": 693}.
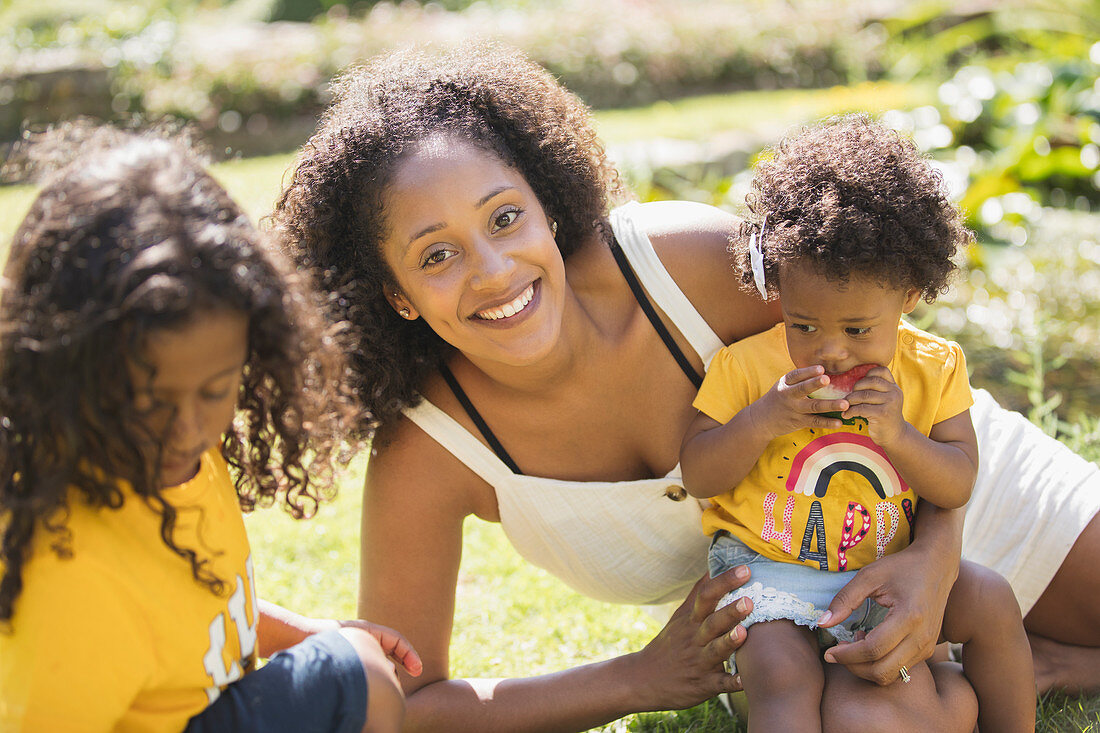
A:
{"x": 473, "y": 253}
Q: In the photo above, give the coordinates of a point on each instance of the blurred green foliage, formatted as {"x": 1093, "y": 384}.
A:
{"x": 1017, "y": 124}
{"x": 1028, "y": 319}
{"x": 220, "y": 65}
{"x": 259, "y": 85}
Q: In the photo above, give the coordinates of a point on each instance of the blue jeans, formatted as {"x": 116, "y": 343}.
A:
{"x": 789, "y": 591}
{"x": 316, "y": 686}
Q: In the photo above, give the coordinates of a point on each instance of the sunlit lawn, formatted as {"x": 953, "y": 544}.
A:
{"x": 513, "y": 619}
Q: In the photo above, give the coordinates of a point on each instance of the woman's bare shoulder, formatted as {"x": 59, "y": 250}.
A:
{"x": 409, "y": 471}
{"x": 691, "y": 240}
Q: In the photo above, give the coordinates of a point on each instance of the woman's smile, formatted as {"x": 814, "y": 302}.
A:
{"x": 509, "y": 311}
{"x": 473, "y": 253}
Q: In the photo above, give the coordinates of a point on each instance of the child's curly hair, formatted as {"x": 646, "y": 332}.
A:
{"x": 853, "y": 198}
{"x": 332, "y": 213}
{"x": 130, "y": 238}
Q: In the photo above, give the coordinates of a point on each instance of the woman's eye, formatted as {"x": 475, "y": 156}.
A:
{"x": 436, "y": 257}
{"x": 505, "y": 219}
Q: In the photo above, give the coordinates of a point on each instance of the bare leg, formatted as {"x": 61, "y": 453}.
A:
{"x": 781, "y": 670}
{"x": 938, "y": 698}
{"x": 1064, "y": 624}
{"x": 982, "y": 614}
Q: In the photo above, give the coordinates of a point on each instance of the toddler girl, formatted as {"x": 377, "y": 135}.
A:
{"x": 809, "y": 485}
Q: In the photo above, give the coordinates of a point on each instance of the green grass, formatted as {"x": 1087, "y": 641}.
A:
{"x": 765, "y": 113}
{"x": 512, "y": 618}
{"x": 255, "y": 182}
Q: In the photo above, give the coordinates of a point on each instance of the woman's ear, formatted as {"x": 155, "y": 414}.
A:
{"x": 400, "y": 304}
{"x": 912, "y": 297}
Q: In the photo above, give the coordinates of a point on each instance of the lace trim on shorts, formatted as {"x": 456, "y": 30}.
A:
{"x": 769, "y": 604}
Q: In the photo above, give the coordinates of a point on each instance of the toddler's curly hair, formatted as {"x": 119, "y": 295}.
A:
{"x": 852, "y": 198}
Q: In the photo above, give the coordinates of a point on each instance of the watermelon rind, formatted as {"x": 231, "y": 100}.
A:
{"x": 846, "y": 420}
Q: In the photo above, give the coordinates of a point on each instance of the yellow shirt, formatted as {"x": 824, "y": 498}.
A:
{"x": 828, "y": 498}
{"x": 121, "y": 636}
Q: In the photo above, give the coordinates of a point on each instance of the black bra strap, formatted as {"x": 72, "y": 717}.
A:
{"x": 468, "y": 406}
{"x": 651, "y": 314}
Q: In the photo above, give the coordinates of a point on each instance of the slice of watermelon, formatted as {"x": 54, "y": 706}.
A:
{"x": 840, "y": 386}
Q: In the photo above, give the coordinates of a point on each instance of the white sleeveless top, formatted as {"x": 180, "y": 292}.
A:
{"x": 621, "y": 541}
{"x": 628, "y": 542}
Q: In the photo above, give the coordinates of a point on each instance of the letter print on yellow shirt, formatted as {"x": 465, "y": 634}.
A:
{"x": 214, "y": 661}
{"x": 812, "y": 471}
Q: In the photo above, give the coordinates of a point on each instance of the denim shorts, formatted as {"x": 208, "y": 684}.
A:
{"x": 316, "y": 686}
{"x": 784, "y": 590}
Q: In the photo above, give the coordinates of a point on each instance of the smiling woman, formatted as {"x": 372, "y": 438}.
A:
{"x": 528, "y": 354}
{"x": 473, "y": 253}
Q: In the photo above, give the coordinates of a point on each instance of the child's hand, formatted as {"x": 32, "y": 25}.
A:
{"x": 393, "y": 643}
{"x": 786, "y": 407}
{"x": 878, "y": 399}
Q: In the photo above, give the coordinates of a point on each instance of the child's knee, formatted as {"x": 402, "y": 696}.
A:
{"x": 385, "y": 698}
{"x": 781, "y": 656}
{"x": 981, "y": 601}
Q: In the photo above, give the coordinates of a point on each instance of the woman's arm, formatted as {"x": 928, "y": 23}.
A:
{"x": 691, "y": 240}
{"x": 417, "y": 496}
{"x": 281, "y": 628}
{"x": 913, "y": 584}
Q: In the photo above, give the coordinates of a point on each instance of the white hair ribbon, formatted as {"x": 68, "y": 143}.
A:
{"x": 756, "y": 259}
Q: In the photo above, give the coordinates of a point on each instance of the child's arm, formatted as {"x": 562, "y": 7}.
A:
{"x": 940, "y": 467}
{"x": 715, "y": 458}
{"x": 280, "y": 628}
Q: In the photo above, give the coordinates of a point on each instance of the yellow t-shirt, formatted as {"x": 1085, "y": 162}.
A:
{"x": 121, "y": 636}
{"x": 828, "y": 498}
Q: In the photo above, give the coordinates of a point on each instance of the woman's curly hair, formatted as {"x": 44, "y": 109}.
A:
{"x": 133, "y": 237}
{"x": 852, "y": 197}
{"x": 332, "y": 213}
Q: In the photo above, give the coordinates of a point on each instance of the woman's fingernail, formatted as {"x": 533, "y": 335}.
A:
{"x": 738, "y": 633}
{"x": 741, "y": 572}
{"x": 737, "y": 679}
{"x": 741, "y": 606}
{"x": 824, "y": 618}
{"x": 829, "y": 657}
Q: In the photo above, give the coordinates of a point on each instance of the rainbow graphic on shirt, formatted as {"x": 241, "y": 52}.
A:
{"x": 824, "y": 457}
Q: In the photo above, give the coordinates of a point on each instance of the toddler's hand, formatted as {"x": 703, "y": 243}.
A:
{"x": 786, "y": 407}
{"x": 878, "y": 399}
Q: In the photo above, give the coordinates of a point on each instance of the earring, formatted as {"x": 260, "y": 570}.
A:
{"x": 405, "y": 312}
{"x": 553, "y": 228}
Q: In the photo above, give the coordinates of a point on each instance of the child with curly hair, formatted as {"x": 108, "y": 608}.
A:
{"x": 161, "y": 370}
{"x": 816, "y": 439}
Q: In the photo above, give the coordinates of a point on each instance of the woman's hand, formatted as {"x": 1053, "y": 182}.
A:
{"x": 393, "y": 643}
{"x": 683, "y": 665}
{"x": 280, "y": 628}
{"x": 914, "y": 590}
